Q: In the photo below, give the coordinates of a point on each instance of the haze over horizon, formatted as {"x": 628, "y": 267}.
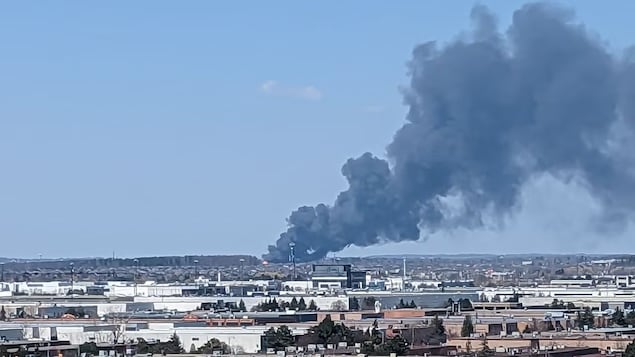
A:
{"x": 154, "y": 129}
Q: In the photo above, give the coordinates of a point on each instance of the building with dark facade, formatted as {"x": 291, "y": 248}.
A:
{"x": 337, "y": 276}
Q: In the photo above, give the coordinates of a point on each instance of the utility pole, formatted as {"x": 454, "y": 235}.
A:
{"x": 136, "y": 273}
{"x": 72, "y": 280}
{"x": 292, "y": 257}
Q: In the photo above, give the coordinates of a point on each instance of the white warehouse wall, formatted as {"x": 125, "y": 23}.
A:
{"x": 192, "y": 303}
{"x": 240, "y": 339}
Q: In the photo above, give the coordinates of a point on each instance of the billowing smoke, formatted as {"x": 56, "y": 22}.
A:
{"x": 486, "y": 114}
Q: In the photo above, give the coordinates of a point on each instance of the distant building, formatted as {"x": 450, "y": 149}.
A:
{"x": 11, "y": 334}
{"x": 337, "y": 276}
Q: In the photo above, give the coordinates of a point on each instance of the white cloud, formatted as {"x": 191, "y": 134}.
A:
{"x": 304, "y": 92}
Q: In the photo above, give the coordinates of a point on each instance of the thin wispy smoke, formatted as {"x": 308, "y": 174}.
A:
{"x": 486, "y": 114}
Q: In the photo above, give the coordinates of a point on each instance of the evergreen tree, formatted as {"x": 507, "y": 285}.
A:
{"x": 3, "y": 314}
{"x": 630, "y": 350}
{"x": 325, "y": 329}
{"x": 397, "y": 345}
{"x": 618, "y": 317}
{"x": 465, "y": 304}
{"x": 412, "y": 304}
{"x": 312, "y": 306}
{"x": 555, "y": 304}
{"x": 269, "y": 340}
{"x": 241, "y": 306}
{"x": 89, "y": 348}
{"x": 468, "y": 327}
{"x": 439, "y": 329}
{"x": 279, "y": 339}
{"x": 214, "y": 345}
{"x": 368, "y": 348}
{"x": 401, "y": 304}
{"x": 369, "y": 302}
{"x": 343, "y": 333}
{"x": 268, "y": 305}
{"x": 173, "y": 346}
{"x": 142, "y": 346}
{"x": 354, "y": 304}
{"x": 284, "y": 305}
{"x": 302, "y": 304}
{"x": 294, "y": 304}
{"x": 449, "y": 303}
{"x": 585, "y": 319}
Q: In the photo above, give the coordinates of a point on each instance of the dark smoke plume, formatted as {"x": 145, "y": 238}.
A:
{"x": 486, "y": 114}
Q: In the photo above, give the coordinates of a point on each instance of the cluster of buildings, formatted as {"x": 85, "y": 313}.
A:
{"x": 61, "y": 316}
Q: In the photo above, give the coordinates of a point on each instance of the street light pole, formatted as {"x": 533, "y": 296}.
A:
{"x": 403, "y": 283}
{"x": 292, "y": 257}
{"x": 136, "y": 273}
{"x": 72, "y": 280}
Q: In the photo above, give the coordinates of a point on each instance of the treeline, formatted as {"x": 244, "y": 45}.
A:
{"x": 175, "y": 261}
{"x": 559, "y": 304}
{"x": 621, "y": 319}
{"x": 369, "y": 303}
{"x": 372, "y": 341}
{"x": 274, "y": 305}
{"x": 326, "y": 332}
{"x": 406, "y": 305}
{"x": 174, "y": 346}
{"x": 586, "y": 319}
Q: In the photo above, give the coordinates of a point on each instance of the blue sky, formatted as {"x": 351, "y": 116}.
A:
{"x": 161, "y": 127}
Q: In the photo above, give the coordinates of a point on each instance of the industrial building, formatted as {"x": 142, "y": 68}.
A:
{"x": 337, "y": 276}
